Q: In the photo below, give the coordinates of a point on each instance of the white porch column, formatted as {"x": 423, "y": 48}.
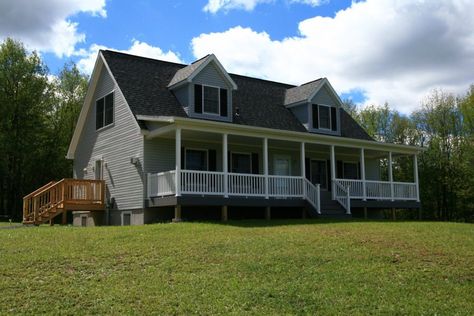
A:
{"x": 265, "y": 164}
{"x": 415, "y": 171}
{"x": 390, "y": 173}
{"x": 333, "y": 172}
{"x": 362, "y": 173}
{"x": 303, "y": 167}
{"x": 225, "y": 167}
{"x": 178, "y": 161}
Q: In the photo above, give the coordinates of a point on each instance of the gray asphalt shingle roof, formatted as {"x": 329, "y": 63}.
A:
{"x": 144, "y": 83}
{"x": 184, "y": 73}
{"x": 301, "y": 93}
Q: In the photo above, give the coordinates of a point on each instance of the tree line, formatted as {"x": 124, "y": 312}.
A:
{"x": 38, "y": 113}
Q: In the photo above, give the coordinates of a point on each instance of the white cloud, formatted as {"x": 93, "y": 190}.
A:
{"x": 44, "y": 25}
{"x": 395, "y": 51}
{"x": 88, "y": 57}
{"x": 225, "y": 5}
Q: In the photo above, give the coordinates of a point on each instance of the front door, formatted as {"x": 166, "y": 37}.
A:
{"x": 319, "y": 173}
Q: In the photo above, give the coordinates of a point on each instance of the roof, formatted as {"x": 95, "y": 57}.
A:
{"x": 260, "y": 103}
{"x": 303, "y": 92}
{"x": 185, "y": 72}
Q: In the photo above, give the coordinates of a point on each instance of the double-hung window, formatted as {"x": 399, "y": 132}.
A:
{"x": 324, "y": 117}
{"x": 210, "y": 100}
{"x": 104, "y": 111}
{"x": 241, "y": 163}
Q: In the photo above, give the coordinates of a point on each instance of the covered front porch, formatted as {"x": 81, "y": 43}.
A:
{"x": 233, "y": 165}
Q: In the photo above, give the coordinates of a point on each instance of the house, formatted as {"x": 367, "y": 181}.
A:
{"x": 178, "y": 141}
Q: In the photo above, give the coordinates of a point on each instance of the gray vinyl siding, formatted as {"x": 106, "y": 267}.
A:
{"x": 302, "y": 114}
{"x": 182, "y": 94}
{"x": 115, "y": 144}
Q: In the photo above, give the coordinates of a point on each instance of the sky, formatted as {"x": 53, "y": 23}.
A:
{"x": 372, "y": 51}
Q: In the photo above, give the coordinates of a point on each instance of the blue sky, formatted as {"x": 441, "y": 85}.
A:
{"x": 372, "y": 51}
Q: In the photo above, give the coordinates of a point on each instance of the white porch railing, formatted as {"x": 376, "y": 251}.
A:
{"x": 312, "y": 195}
{"x": 242, "y": 184}
{"x": 379, "y": 190}
{"x": 343, "y": 196}
{"x": 285, "y": 186}
{"x": 202, "y": 182}
{"x": 239, "y": 184}
{"x": 161, "y": 184}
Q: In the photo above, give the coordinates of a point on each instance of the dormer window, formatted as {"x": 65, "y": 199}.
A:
{"x": 210, "y": 100}
{"x": 324, "y": 117}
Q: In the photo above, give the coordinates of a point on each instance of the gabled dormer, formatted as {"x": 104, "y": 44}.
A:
{"x": 204, "y": 89}
{"x": 317, "y": 106}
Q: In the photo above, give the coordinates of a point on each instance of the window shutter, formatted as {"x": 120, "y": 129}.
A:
{"x": 307, "y": 168}
{"x": 340, "y": 170}
{"x": 255, "y": 169}
{"x": 212, "y": 160}
{"x": 333, "y": 119}
{"x": 223, "y": 102}
{"x": 182, "y": 157}
{"x": 99, "y": 113}
{"x": 358, "y": 171}
{"x": 315, "y": 116}
{"x": 109, "y": 109}
{"x": 197, "y": 98}
{"x": 229, "y": 167}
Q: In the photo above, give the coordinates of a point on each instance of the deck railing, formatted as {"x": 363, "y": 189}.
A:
{"x": 379, "y": 190}
{"x": 63, "y": 194}
{"x": 343, "y": 195}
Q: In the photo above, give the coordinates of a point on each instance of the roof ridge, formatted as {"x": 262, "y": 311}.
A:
{"x": 265, "y": 80}
{"x": 312, "y": 81}
{"x": 142, "y": 57}
{"x": 197, "y": 60}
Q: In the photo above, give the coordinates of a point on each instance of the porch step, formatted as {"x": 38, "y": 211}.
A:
{"x": 331, "y": 209}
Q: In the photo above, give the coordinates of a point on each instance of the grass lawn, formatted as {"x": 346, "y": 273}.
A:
{"x": 255, "y": 267}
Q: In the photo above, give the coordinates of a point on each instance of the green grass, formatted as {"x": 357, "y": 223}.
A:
{"x": 251, "y": 267}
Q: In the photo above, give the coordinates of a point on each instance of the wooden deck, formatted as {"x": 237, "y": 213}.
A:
{"x": 55, "y": 198}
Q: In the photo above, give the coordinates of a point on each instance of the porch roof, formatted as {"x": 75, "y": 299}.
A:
{"x": 261, "y": 132}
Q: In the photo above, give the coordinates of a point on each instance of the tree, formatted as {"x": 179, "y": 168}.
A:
{"x": 24, "y": 100}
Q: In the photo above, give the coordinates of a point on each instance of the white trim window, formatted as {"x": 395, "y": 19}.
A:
{"x": 104, "y": 111}
{"x": 324, "y": 117}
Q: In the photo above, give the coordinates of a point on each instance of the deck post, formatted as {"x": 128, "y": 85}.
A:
{"x": 303, "y": 170}
{"x": 268, "y": 213}
{"x": 362, "y": 174}
{"x": 64, "y": 218}
{"x": 178, "y": 162}
{"x": 365, "y": 212}
{"x": 394, "y": 216}
{"x": 265, "y": 165}
{"x": 177, "y": 213}
{"x": 333, "y": 172}
{"x": 224, "y": 214}
{"x": 225, "y": 166}
{"x": 390, "y": 174}
{"x": 415, "y": 171}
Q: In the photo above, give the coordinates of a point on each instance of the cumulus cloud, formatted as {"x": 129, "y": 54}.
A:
{"x": 44, "y": 25}
{"x": 313, "y": 3}
{"x": 394, "y": 51}
{"x": 88, "y": 57}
